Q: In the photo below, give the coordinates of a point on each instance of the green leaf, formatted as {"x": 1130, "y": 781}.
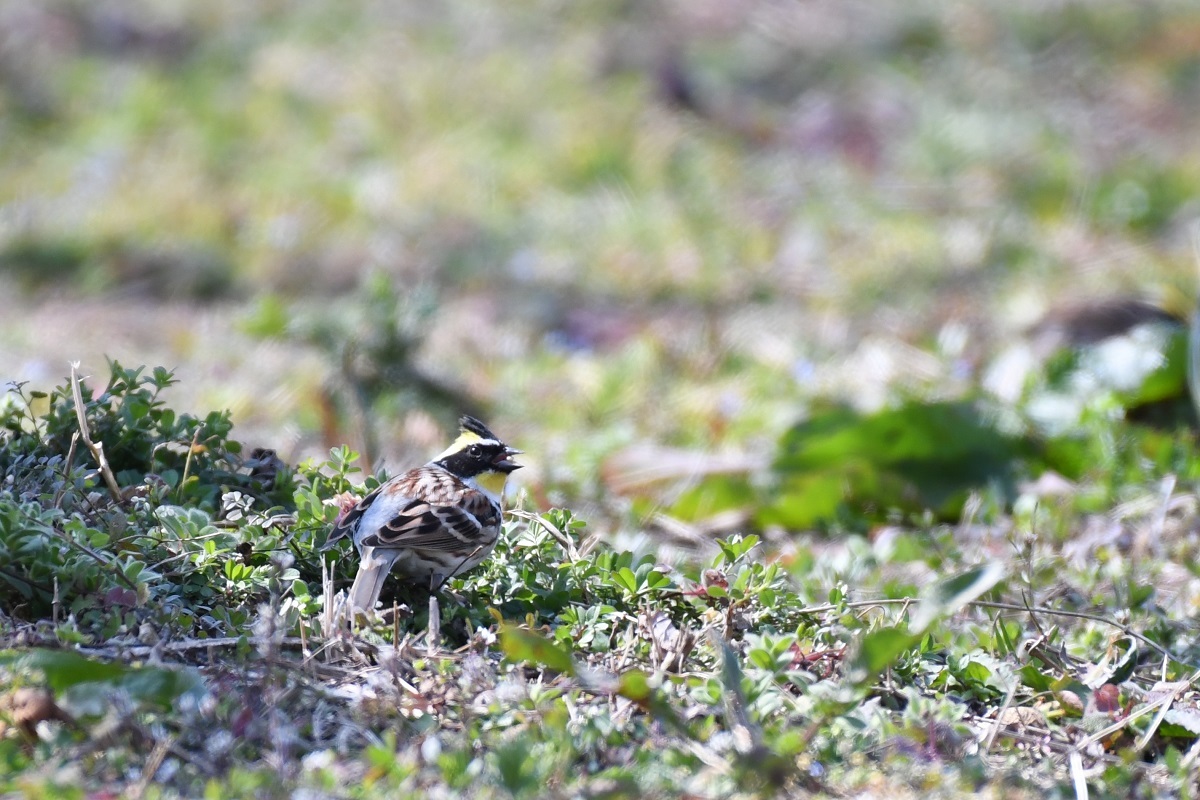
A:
{"x": 625, "y": 577}
{"x": 1181, "y": 722}
{"x": 1169, "y": 378}
{"x": 63, "y": 668}
{"x": 762, "y": 659}
{"x": 735, "y": 547}
{"x": 805, "y": 498}
{"x": 524, "y": 646}
{"x": 880, "y": 649}
{"x": 658, "y": 579}
{"x": 160, "y": 686}
{"x": 915, "y": 457}
{"x": 1143, "y": 368}
{"x": 90, "y": 680}
{"x": 975, "y": 673}
{"x": 946, "y": 597}
{"x": 634, "y": 685}
{"x": 713, "y": 495}
{"x": 910, "y": 547}
{"x": 1033, "y": 677}
{"x": 516, "y": 766}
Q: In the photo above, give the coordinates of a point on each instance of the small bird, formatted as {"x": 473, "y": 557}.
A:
{"x": 433, "y": 522}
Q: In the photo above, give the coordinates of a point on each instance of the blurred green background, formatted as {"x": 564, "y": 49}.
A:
{"x": 624, "y": 232}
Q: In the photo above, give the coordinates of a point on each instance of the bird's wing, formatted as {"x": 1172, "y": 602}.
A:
{"x": 450, "y": 521}
{"x": 396, "y": 492}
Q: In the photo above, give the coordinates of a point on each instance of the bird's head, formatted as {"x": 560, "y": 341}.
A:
{"x": 479, "y": 454}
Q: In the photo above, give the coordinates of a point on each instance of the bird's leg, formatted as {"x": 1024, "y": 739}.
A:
{"x": 434, "y": 634}
{"x": 437, "y": 584}
{"x": 437, "y": 580}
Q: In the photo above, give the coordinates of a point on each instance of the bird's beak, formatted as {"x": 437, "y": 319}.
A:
{"x": 502, "y": 462}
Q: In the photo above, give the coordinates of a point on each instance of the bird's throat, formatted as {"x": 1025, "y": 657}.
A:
{"x": 492, "y": 482}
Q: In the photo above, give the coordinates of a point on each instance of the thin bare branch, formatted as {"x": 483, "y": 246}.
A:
{"x": 96, "y": 448}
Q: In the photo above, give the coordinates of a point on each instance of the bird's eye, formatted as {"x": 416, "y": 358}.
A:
{"x": 475, "y": 450}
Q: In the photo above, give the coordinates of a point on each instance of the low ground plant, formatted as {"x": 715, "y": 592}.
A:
{"x": 174, "y": 639}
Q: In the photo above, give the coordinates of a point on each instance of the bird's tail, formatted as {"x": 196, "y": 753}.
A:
{"x": 368, "y": 583}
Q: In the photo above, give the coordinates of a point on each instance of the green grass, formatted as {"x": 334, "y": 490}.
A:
{"x": 187, "y": 628}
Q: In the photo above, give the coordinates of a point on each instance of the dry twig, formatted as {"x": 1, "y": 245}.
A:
{"x": 96, "y": 448}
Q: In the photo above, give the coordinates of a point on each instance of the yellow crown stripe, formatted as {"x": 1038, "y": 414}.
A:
{"x": 465, "y": 438}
